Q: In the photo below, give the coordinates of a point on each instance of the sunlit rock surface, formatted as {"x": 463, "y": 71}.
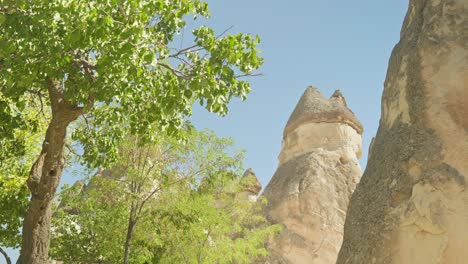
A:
{"x": 317, "y": 172}
{"x": 411, "y": 206}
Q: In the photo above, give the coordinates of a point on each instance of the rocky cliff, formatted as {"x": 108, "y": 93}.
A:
{"x": 411, "y": 206}
{"x": 317, "y": 172}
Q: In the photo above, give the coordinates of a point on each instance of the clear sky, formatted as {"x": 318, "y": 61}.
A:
{"x": 330, "y": 44}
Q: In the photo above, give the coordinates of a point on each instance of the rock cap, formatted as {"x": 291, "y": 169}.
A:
{"x": 313, "y": 107}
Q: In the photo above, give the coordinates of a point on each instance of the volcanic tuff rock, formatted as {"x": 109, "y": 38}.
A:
{"x": 411, "y": 206}
{"x": 318, "y": 170}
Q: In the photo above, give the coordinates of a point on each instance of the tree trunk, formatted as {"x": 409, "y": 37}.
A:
{"x": 44, "y": 178}
{"x": 7, "y": 258}
{"x": 43, "y": 181}
{"x": 128, "y": 240}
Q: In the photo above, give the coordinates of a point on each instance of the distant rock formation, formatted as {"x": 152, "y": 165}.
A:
{"x": 411, "y": 206}
{"x": 251, "y": 186}
{"x": 317, "y": 172}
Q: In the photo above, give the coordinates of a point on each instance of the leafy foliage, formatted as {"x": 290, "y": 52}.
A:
{"x": 115, "y": 59}
{"x": 195, "y": 231}
{"x": 191, "y": 211}
{"x": 112, "y": 64}
{"x": 18, "y": 150}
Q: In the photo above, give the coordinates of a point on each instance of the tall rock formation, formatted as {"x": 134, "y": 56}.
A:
{"x": 411, "y": 206}
{"x": 318, "y": 170}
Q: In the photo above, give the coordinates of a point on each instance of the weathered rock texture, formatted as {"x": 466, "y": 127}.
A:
{"x": 318, "y": 170}
{"x": 411, "y": 205}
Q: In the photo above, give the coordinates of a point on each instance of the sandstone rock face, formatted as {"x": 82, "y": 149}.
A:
{"x": 318, "y": 170}
{"x": 411, "y": 206}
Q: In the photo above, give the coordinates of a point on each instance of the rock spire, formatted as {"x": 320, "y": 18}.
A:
{"x": 317, "y": 172}
{"x": 411, "y": 206}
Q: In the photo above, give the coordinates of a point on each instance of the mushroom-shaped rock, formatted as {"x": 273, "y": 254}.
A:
{"x": 318, "y": 122}
{"x": 313, "y": 107}
{"x": 317, "y": 172}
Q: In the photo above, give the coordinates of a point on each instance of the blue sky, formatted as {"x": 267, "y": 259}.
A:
{"x": 329, "y": 44}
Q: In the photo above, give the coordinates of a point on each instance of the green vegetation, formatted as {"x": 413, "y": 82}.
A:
{"x": 170, "y": 202}
{"x": 15, "y": 162}
{"x": 111, "y": 64}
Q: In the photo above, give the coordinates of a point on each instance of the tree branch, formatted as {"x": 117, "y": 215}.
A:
{"x": 82, "y": 63}
{"x": 71, "y": 151}
{"x": 182, "y": 51}
{"x": 224, "y": 32}
{"x": 175, "y": 72}
{"x": 7, "y": 258}
{"x": 61, "y": 107}
{"x": 188, "y": 49}
{"x": 41, "y": 103}
{"x": 248, "y": 75}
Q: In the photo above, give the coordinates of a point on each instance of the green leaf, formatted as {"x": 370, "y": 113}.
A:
{"x": 148, "y": 58}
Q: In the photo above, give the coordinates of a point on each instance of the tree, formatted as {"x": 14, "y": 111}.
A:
{"x": 112, "y": 63}
{"x": 171, "y": 202}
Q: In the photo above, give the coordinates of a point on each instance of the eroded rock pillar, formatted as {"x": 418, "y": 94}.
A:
{"x": 411, "y": 206}
{"x": 317, "y": 172}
